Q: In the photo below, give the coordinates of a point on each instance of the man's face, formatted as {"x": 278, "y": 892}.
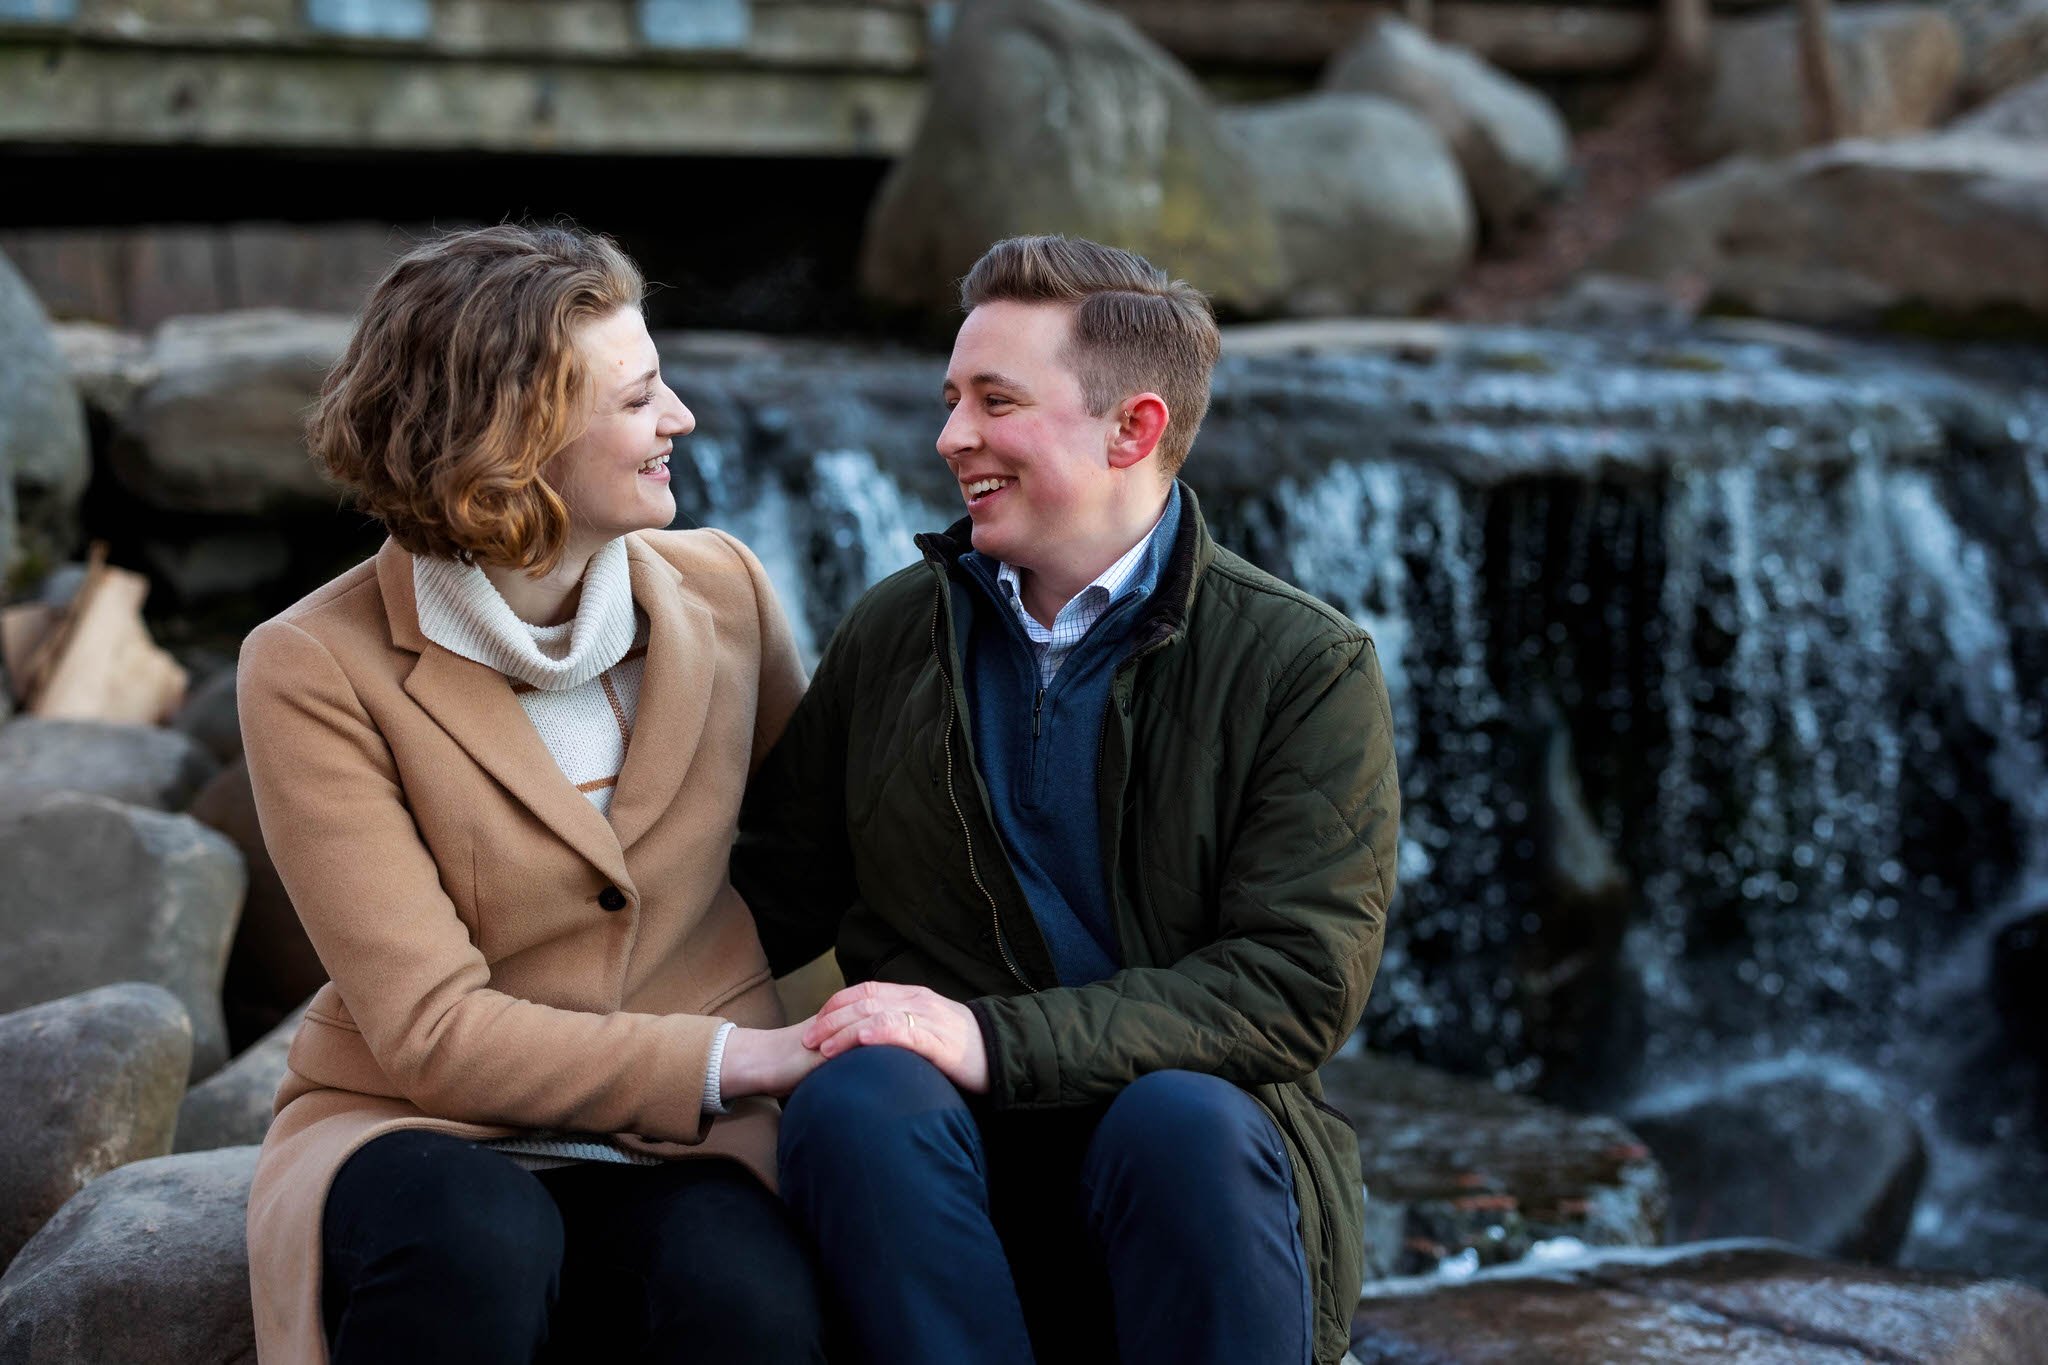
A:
{"x": 1032, "y": 464}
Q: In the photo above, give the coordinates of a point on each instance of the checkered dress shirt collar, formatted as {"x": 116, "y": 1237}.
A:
{"x": 1050, "y": 645}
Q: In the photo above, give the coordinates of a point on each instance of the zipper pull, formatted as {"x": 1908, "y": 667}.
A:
{"x": 1037, "y": 705}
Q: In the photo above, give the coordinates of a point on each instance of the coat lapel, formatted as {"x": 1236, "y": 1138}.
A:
{"x": 675, "y": 694}
{"x": 477, "y": 708}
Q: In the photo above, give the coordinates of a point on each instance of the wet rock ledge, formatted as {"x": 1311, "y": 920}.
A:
{"x": 1458, "y": 1173}
{"x": 1757, "y": 1303}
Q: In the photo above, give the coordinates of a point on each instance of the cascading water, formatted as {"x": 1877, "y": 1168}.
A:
{"x": 1717, "y": 662}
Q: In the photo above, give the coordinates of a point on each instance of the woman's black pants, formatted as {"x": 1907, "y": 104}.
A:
{"x": 439, "y": 1250}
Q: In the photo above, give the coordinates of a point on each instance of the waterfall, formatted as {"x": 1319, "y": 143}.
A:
{"x": 1777, "y": 618}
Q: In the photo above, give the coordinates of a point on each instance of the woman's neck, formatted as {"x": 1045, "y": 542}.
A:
{"x": 547, "y": 600}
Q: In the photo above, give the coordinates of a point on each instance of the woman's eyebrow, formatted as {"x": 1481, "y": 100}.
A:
{"x": 642, "y": 382}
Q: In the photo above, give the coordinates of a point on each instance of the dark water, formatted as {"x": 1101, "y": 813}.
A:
{"x": 1716, "y": 657}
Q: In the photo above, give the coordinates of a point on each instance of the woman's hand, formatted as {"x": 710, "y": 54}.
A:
{"x": 944, "y": 1032}
{"x": 765, "y": 1061}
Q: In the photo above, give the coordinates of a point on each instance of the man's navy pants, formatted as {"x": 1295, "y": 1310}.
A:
{"x": 1159, "y": 1227}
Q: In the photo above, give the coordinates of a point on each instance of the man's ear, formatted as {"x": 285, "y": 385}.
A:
{"x": 1141, "y": 421}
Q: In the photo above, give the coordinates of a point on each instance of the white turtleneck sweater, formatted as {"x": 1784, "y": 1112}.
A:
{"x": 579, "y": 683}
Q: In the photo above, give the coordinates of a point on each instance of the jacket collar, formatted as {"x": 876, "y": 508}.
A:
{"x": 476, "y": 706}
{"x": 1165, "y": 615}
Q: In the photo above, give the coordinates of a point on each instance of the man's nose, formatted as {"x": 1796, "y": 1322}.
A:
{"x": 958, "y": 436}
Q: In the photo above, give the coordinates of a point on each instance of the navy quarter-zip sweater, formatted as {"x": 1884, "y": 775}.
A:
{"x": 1038, "y": 751}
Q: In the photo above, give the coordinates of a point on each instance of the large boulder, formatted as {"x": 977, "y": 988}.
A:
{"x": 87, "y": 1083}
{"x": 1900, "y": 66}
{"x": 98, "y": 892}
{"x": 143, "y": 765}
{"x": 1457, "y": 1170}
{"x": 210, "y": 716}
{"x": 272, "y": 966}
{"x": 44, "y": 456}
{"x": 2021, "y": 112}
{"x": 149, "y": 1263}
{"x": 1056, "y": 116}
{"x": 1372, "y": 213}
{"x": 232, "y": 1107}
{"x": 2005, "y": 44}
{"x": 1824, "y": 1157}
{"x": 1510, "y": 142}
{"x": 1861, "y": 232}
{"x": 219, "y": 423}
{"x": 1757, "y": 1304}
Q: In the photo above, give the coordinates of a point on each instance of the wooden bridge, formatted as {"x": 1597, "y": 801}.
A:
{"x": 618, "y": 77}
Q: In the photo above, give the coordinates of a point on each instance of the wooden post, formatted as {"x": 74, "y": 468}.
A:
{"x": 1684, "y": 53}
{"x": 1822, "y": 86}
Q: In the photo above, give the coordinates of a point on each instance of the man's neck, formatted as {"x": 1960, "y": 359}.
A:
{"x": 1045, "y": 592}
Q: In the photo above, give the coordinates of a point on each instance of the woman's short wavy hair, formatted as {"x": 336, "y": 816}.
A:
{"x": 462, "y": 380}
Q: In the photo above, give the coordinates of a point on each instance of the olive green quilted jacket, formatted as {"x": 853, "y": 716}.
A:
{"x": 1249, "y": 813}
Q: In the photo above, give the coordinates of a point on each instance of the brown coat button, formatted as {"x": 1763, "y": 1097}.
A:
{"x": 611, "y": 898}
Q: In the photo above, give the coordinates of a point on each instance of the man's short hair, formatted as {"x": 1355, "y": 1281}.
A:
{"x": 1134, "y": 328}
{"x": 462, "y": 380}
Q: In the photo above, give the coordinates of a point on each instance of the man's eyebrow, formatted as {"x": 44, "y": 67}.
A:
{"x": 642, "y": 382}
{"x": 991, "y": 379}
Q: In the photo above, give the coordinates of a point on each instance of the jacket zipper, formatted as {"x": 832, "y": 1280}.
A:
{"x": 995, "y": 914}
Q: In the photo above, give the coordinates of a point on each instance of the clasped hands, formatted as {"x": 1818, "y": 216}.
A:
{"x": 873, "y": 1014}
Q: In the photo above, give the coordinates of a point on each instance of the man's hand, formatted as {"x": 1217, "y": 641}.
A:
{"x": 766, "y": 1061}
{"x": 943, "y": 1032}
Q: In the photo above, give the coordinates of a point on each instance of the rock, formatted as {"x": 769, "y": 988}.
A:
{"x": 1457, "y": 1167}
{"x": 87, "y": 1083}
{"x": 98, "y": 892}
{"x": 1861, "y": 233}
{"x": 1824, "y": 1157}
{"x": 209, "y": 716}
{"x": 1056, "y": 116}
{"x": 232, "y": 1107}
{"x": 2019, "y": 966}
{"x": 1900, "y": 66}
{"x": 144, "y": 765}
{"x": 2021, "y": 112}
{"x": 2005, "y": 44}
{"x": 1510, "y": 142}
{"x": 1757, "y": 1304}
{"x": 149, "y": 1263}
{"x": 221, "y": 426}
{"x": 272, "y": 966}
{"x": 44, "y": 456}
{"x": 1597, "y": 300}
{"x": 208, "y": 567}
{"x": 1568, "y": 979}
{"x": 108, "y": 365}
{"x": 1372, "y": 213}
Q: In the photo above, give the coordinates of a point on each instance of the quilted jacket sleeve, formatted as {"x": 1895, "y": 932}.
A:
{"x": 792, "y": 863}
{"x": 1302, "y": 895}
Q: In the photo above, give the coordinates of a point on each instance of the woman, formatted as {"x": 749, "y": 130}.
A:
{"x": 498, "y": 767}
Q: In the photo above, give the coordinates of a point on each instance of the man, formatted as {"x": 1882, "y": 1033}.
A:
{"x": 1101, "y": 820}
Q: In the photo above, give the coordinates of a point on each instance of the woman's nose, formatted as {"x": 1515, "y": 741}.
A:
{"x": 680, "y": 422}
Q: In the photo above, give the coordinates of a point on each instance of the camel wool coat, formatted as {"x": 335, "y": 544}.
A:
{"x": 503, "y": 957}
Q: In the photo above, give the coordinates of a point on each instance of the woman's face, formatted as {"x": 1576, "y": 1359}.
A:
{"x": 614, "y": 477}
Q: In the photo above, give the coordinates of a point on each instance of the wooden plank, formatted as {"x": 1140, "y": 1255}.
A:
{"x": 1535, "y": 38}
{"x": 1250, "y": 32}
{"x": 106, "y": 667}
{"x": 62, "y": 93}
{"x": 1552, "y": 40}
{"x": 872, "y": 35}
